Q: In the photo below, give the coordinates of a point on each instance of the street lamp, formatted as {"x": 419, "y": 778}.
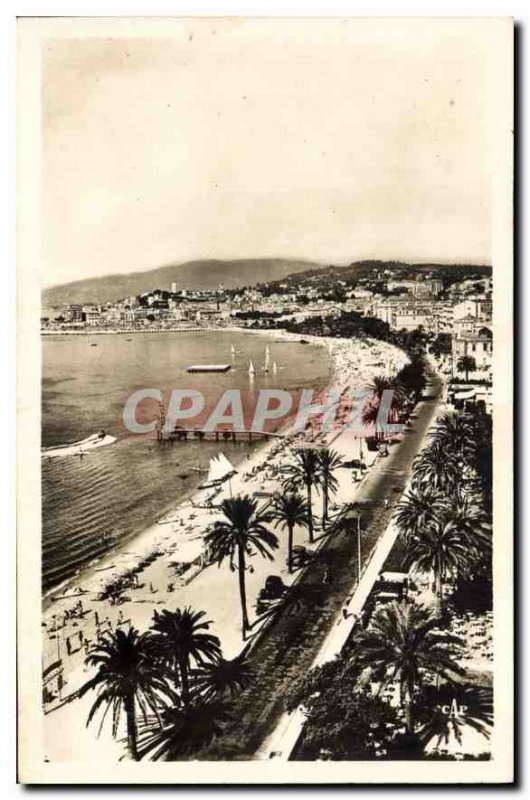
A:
{"x": 358, "y": 548}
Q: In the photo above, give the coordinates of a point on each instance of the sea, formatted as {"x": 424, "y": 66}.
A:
{"x": 91, "y": 505}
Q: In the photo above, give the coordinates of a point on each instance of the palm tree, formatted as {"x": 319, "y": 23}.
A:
{"x": 421, "y": 507}
{"x": 379, "y": 383}
{"x": 376, "y": 388}
{"x": 128, "y": 674}
{"x": 454, "y": 432}
{"x": 438, "y": 468}
{"x": 466, "y": 364}
{"x": 182, "y": 731}
{"x": 289, "y": 510}
{"x": 242, "y": 533}
{"x": 467, "y": 514}
{"x": 475, "y": 710}
{"x": 440, "y": 550}
{"x": 181, "y": 636}
{"x": 403, "y": 643}
{"x": 329, "y": 460}
{"x": 412, "y": 377}
{"x": 305, "y": 472}
{"x": 481, "y": 461}
{"x": 223, "y": 679}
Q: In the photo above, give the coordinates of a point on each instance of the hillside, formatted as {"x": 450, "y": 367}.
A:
{"x": 376, "y": 270}
{"x": 209, "y": 274}
{"x": 191, "y": 275}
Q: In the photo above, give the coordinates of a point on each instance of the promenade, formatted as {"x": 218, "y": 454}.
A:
{"x": 314, "y": 629}
{"x": 293, "y": 637}
{"x": 281, "y": 742}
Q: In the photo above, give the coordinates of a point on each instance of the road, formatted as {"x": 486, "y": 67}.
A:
{"x": 282, "y": 741}
{"x": 287, "y": 649}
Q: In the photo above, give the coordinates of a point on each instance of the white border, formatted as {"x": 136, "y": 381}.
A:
{"x": 273, "y": 772}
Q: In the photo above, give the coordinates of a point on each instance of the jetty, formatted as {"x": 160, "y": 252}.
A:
{"x": 180, "y": 434}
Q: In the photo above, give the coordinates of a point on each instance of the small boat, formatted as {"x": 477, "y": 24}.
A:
{"x": 69, "y": 596}
{"x": 98, "y": 439}
{"x": 232, "y": 350}
{"x": 266, "y": 366}
{"x": 93, "y": 344}
{"x": 251, "y": 369}
{"x": 220, "y": 470}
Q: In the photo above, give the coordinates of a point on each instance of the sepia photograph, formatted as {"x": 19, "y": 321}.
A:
{"x": 265, "y": 467}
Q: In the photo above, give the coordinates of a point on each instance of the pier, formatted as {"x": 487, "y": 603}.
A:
{"x": 199, "y": 434}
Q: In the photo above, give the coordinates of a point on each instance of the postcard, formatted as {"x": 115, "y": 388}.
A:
{"x": 265, "y": 467}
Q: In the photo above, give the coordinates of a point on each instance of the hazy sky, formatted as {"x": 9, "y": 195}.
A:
{"x": 318, "y": 139}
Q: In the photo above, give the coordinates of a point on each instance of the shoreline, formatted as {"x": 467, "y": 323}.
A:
{"x": 177, "y": 535}
{"x": 259, "y": 449}
{"x": 85, "y": 572}
{"x": 172, "y": 329}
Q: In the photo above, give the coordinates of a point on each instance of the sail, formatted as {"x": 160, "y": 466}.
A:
{"x": 220, "y": 469}
{"x": 251, "y": 369}
{"x": 227, "y": 464}
{"x": 267, "y": 359}
{"x": 212, "y": 469}
{"x": 216, "y": 470}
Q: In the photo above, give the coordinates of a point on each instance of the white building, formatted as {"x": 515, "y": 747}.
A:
{"x": 478, "y": 344}
{"x": 477, "y": 307}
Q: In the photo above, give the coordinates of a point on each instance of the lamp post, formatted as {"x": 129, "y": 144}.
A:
{"x": 358, "y": 549}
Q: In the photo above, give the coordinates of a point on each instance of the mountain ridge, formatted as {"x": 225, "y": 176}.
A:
{"x": 232, "y": 274}
{"x": 198, "y": 274}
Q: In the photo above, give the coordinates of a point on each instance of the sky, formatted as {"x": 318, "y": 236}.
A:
{"x": 328, "y": 140}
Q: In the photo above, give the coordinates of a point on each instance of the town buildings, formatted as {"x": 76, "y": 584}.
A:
{"x": 406, "y": 303}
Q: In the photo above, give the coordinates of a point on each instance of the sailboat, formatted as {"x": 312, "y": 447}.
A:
{"x": 219, "y": 471}
{"x": 251, "y": 370}
{"x": 274, "y": 368}
{"x": 266, "y": 366}
{"x": 232, "y": 350}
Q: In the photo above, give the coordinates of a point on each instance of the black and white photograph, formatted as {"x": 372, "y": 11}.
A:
{"x": 265, "y": 400}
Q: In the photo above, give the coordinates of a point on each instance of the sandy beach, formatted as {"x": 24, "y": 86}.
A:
{"x": 76, "y": 613}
